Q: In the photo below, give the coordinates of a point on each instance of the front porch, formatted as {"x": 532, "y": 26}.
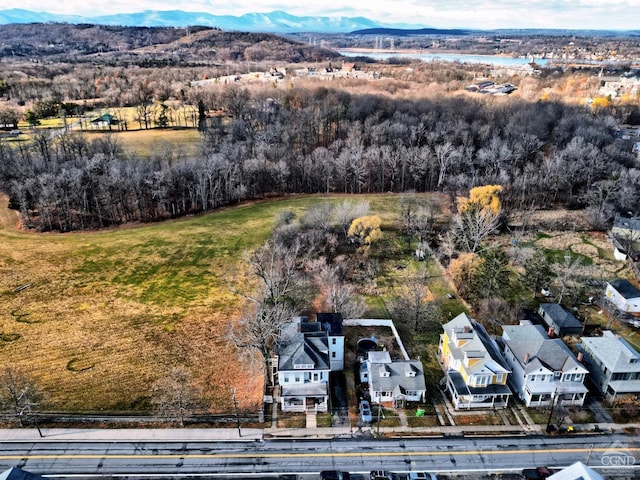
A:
{"x": 307, "y": 397}
{"x": 465, "y": 397}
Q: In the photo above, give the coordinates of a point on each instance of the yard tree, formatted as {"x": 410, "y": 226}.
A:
{"x": 366, "y": 230}
{"x": 175, "y": 397}
{"x": 537, "y": 272}
{"x": 257, "y": 330}
{"x": 478, "y": 217}
{"x": 19, "y": 395}
{"x": 334, "y": 293}
{"x": 491, "y": 279}
{"x": 276, "y": 267}
{"x": 347, "y": 211}
{"x": 463, "y": 270}
{"x": 414, "y": 306}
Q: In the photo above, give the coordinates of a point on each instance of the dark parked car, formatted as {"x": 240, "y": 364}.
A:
{"x": 334, "y": 475}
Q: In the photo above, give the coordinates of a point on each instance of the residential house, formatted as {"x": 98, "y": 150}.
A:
{"x": 476, "y": 375}
{"x": 623, "y": 295}
{"x": 579, "y": 471}
{"x": 104, "y": 120}
{"x": 307, "y": 352}
{"x": 393, "y": 381}
{"x": 614, "y": 365}
{"x": 559, "y": 320}
{"x": 625, "y": 234}
{"x": 16, "y": 473}
{"x": 543, "y": 369}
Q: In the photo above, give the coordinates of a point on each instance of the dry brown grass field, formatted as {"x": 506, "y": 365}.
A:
{"x": 97, "y": 317}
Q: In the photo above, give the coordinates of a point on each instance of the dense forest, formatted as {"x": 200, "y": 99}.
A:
{"x": 300, "y": 140}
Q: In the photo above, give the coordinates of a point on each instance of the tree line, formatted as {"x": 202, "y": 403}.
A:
{"x": 302, "y": 140}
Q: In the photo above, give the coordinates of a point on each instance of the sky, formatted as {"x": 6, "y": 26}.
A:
{"x": 479, "y": 14}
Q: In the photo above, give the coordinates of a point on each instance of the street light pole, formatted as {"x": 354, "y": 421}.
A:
{"x": 235, "y": 404}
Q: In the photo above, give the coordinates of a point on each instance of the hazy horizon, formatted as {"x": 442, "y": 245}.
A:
{"x": 587, "y": 14}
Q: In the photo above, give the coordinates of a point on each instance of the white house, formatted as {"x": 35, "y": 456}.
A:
{"x": 623, "y": 295}
{"x": 543, "y": 369}
{"x": 614, "y": 365}
{"x": 476, "y": 376}
{"x": 393, "y": 381}
{"x": 307, "y": 352}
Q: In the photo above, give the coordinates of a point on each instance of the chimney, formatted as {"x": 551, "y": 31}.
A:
{"x": 550, "y": 332}
{"x": 579, "y": 357}
{"x": 526, "y": 358}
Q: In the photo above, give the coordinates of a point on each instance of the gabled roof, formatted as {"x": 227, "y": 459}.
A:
{"x": 628, "y": 223}
{"x": 476, "y": 343}
{"x": 560, "y": 315}
{"x": 625, "y": 288}
{"x": 398, "y": 381}
{"x": 304, "y": 345}
{"x": 577, "y": 471}
{"x": 19, "y": 474}
{"x": 533, "y": 350}
{"x": 614, "y": 352}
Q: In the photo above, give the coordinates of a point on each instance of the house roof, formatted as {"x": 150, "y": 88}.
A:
{"x": 19, "y": 474}
{"x": 398, "y": 381}
{"x": 332, "y": 322}
{"x": 560, "y": 315}
{"x": 625, "y": 288}
{"x": 303, "y": 344}
{"x": 627, "y": 223}
{"x": 577, "y": 471}
{"x": 477, "y": 343}
{"x": 105, "y": 117}
{"x": 533, "y": 350}
{"x": 614, "y": 352}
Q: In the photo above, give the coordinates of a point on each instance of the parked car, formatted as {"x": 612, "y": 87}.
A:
{"x": 538, "y": 473}
{"x": 334, "y": 475}
{"x": 421, "y": 476}
{"x": 365, "y": 411}
{"x": 380, "y": 475}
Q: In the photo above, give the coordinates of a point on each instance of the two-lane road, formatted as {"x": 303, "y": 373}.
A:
{"x": 300, "y": 457}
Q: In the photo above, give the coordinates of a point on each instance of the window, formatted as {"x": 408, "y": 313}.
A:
{"x": 297, "y": 378}
{"x": 285, "y": 378}
{"x": 333, "y": 341}
{"x": 500, "y": 377}
{"x": 533, "y": 378}
{"x": 333, "y": 354}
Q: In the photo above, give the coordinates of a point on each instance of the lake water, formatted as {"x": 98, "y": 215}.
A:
{"x": 446, "y": 57}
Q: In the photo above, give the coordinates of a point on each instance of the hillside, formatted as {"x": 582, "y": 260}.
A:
{"x": 62, "y": 42}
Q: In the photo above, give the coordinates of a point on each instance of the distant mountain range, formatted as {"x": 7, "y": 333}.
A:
{"x": 273, "y": 22}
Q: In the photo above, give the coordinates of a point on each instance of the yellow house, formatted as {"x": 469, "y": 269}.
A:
{"x": 476, "y": 375}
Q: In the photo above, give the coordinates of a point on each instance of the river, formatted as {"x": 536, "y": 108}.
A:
{"x": 447, "y": 57}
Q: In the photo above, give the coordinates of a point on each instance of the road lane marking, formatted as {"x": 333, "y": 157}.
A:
{"x": 201, "y": 456}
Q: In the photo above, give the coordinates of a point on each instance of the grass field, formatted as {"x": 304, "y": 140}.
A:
{"x": 97, "y": 317}
{"x": 155, "y": 142}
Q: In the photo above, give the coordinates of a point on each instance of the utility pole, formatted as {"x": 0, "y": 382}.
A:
{"x": 554, "y": 397}
{"x": 235, "y": 405}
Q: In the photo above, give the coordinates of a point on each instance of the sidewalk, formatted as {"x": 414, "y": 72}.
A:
{"x": 258, "y": 434}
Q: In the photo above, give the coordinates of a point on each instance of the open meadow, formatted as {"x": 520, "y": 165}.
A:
{"x": 97, "y": 317}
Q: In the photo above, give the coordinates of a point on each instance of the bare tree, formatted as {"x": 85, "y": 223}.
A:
{"x": 472, "y": 226}
{"x": 336, "y": 295}
{"x": 258, "y": 329}
{"x": 19, "y": 395}
{"x": 567, "y": 277}
{"x": 276, "y": 266}
{"x": 175, "y": 397}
